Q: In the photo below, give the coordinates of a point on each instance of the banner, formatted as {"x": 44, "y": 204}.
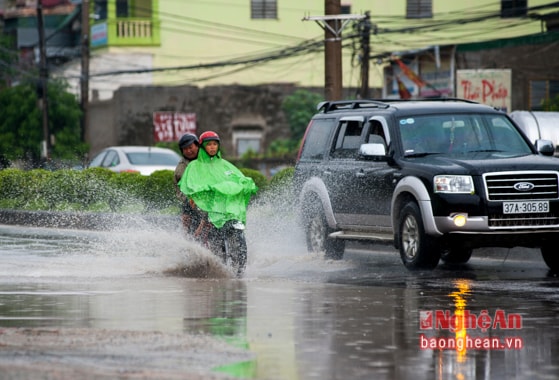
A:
{"x": 402, "y": 89}
{"x": 170, "y": 126}
{"x": 410, "y": 73}
{"x": 487, "y": 86}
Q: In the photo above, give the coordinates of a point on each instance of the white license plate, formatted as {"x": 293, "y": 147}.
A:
{"x": 528, "y": 207}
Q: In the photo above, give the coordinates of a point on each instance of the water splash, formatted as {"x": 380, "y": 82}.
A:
{"x": 142, "y": 246}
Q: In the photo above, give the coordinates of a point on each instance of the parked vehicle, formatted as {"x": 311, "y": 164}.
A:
{"x": 435, "y": 178}
{"x": 539, "y": 125}
{"x": 139, "y": 159}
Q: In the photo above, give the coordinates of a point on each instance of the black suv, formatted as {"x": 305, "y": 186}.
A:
{"x": 436, "y": 178}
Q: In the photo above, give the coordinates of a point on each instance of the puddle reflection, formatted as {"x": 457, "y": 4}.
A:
{"x": 302, "y": 330}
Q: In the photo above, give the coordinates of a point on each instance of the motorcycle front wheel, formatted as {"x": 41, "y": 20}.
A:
{"x": 236, "y": 250}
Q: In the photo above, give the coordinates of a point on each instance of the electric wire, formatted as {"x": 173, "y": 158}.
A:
{"x": 421, "y": 29}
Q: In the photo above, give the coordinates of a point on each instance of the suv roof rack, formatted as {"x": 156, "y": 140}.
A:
{"x": 433, "y": 100}
{"x": 329, "y": 106}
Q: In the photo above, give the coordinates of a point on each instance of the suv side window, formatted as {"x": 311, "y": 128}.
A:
{"x": 376, "y": 133}
{"x": 348, "y": 139}
{"x": 319, "y": 132}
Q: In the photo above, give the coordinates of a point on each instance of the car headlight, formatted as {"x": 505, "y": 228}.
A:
{"x": 462, "y": 184}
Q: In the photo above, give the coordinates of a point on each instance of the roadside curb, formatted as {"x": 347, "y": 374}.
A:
{"x": 86, "y": 221}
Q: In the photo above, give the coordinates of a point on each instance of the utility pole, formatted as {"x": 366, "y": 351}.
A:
{"x": 365, "y": 29}
{"x": 332, "y": 53}
{"x": 43, "y": 75}
{"x": 333, "y": 23}
{"x": 84, "y": 78}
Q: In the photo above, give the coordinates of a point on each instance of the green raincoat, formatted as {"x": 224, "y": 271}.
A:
{"x": 217, "y": 187}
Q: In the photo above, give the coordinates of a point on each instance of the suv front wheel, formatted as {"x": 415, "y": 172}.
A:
{"x": 551, "y": 257}
{"x": 317, "y": 232}
{"x": 456, "y": 255}
{"x": 417, "y": 250}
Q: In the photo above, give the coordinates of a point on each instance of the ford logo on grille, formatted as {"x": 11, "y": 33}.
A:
{"x": 523, "y": 186}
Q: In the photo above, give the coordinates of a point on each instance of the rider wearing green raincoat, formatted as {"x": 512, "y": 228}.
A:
{"x": 215, "y": 185}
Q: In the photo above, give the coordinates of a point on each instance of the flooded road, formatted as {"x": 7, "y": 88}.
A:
{"x": 149, "y": 304}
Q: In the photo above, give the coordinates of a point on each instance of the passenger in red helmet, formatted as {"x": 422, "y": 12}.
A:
{"x": 210, "y": 141}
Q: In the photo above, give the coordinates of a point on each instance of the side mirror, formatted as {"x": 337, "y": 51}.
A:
{"x": 545, "y": 147}
{"x": 372, "y": 152}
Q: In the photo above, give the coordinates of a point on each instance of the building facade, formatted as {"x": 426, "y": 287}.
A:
{"x": 141, "y": 47}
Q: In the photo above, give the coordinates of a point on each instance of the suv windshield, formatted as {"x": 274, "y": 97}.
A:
{"x": 459, "y": 134}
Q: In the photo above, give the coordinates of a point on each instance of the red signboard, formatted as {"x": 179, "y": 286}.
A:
{"x": 170, "y": 126}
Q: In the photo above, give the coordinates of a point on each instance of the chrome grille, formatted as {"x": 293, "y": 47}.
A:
{"x": 522, "y": 186}
{"x": 501, "y": 186}
{"x": 523, "y": 220}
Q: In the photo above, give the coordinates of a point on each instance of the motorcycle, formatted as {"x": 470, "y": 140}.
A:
{"x": 234, "y": 246}
{"x": 228, "y": 243}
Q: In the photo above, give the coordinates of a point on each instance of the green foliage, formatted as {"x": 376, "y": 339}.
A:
{"x": 94, "y": 189}
{"x": 282, "y": 148}
{"x": 281, "y": 192}
{"x": 259, "y": 179}
{"x": 159, "y": 191}
{"x": 21, "y": 123}
{"x": 551, "y": 104}
{"x": 127, "y": 193}
{"x": 9, "y": 57}
{"x": 283, "y": 178}
{"x": 12, "y": 186}
{"x": 299, "y": 108}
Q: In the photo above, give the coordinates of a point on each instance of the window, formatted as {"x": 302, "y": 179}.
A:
{"x": 100, "y": 9}
{"x": 247, "y": 139}
{"x": 513, "y": 8}
{"x": 345, "y": 9}
{"x": 419, "y": 9}
{"x": 111, "y": 159}
{"x": 121, "y": 8}
{"x": 542, "y": 92}
{"x": 316, "y": 139}
{"x": 245, "y": 145}
{"x": 348, "y": 139}
{"x": 151, "y": 158}
{"x": 260, "y": 9}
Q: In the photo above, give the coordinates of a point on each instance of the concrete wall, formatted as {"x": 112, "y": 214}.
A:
{"x": 127, "y": 118}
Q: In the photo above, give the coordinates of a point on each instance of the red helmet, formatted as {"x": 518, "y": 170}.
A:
{"x": 209, "y": 136}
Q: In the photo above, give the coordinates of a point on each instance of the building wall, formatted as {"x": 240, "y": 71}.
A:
{"x": 127, "y": 119}
{"x": 199, "y": 33}
{"x": 528, "y": 62}
{"x": 205, "y": 32}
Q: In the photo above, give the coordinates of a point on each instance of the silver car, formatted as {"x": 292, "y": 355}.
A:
{"x": 140, "y": 159}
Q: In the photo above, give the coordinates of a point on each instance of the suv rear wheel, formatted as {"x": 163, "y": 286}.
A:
{"x": 317, "y": 232}
{"x": 417, "y": 250}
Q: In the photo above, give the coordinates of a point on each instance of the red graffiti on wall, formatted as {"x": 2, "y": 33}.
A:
{"x": 488, "y": 91}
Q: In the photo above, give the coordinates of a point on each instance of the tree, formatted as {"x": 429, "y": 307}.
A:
{"x": 551, "y": 104}
{"x": 8, "y": 61}
{"x": 299, "y": 108}
{"x": 21, "y": 123}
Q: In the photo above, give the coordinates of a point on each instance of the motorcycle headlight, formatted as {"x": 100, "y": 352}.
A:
{"x": 461, "y": 184}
